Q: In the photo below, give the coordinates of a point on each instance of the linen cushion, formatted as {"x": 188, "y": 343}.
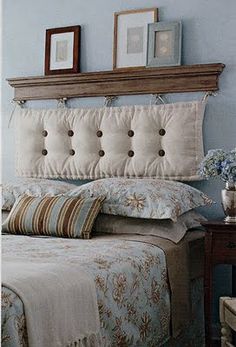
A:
{"x": 143, "y": 198}
{"x": 159, "y": 141}
{"x": 167, "y": 229}
{"x": 34, "y": 187}
{"x": 53, "y": 216}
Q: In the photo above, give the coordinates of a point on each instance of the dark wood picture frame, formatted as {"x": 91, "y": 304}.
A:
{"x": 76, "y": 50}
{"x": 115, "y": 33}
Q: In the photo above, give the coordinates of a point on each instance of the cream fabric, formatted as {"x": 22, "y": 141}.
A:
{"x": 181, "y": 142}
{"x": 60, "y": 302}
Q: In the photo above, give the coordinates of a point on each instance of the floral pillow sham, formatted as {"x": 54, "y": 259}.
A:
{"x": 31, "y": 186}
{"x": 144, "y": 198}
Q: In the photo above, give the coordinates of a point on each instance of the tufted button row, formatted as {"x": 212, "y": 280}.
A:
{"x": 99, "y": 133}
{"x": 102, "y": 153}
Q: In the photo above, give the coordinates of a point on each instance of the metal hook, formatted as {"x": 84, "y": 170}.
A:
{"x": 16, "y": 103}
{"x": 207, "y": 94}
{"x": 62, "y": 103}
{"x": 159, "y": 97}
{"x": 109, "y": 100}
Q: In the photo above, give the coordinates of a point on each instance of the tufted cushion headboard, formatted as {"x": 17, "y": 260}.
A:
{"x": 159, "y": 141}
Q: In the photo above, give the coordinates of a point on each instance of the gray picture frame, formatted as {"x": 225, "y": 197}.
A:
{"x": 167, "y": 52}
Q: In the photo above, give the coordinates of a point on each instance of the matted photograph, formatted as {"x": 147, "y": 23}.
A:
{"x": 62, "y": 50}
{"x": 164, "y": 44}
{"x": 130, "y": 37}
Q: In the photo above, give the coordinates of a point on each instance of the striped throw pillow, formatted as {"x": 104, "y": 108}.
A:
{"x": 53, "y": 216}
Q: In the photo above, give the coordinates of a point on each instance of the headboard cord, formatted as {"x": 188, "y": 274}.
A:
{"x": 109, "y": 100}
{"x": 160, "y": 97}
{"x": 206, "y": 96}
{"x": 62, "y": 103}
{"x": 16, "y": 103}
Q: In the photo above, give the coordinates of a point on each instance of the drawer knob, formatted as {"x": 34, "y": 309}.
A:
{"x": 231, "y": 245}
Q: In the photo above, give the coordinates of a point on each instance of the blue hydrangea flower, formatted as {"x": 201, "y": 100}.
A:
{"x": 217, "y": 162}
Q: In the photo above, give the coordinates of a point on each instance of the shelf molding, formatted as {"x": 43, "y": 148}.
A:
{"x": 175, "y": 79}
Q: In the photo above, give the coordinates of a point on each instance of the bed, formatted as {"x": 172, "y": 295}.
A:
{"x": 148, "y": 289}
{"x": 133, "y": 292}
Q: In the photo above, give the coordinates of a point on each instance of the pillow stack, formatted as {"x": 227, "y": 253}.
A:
{"x": 145, "y": 206}
{"x": 132, "y": 206}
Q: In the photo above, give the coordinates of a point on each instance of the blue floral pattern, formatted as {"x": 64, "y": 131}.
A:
{"x": 144, "y": 198}
{"x": 31, "y": 186}
{"x": 130, "y": 279}
{"x": 132, "y": 291}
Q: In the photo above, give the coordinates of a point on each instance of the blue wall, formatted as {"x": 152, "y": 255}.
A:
{"x": 209, "y": 35}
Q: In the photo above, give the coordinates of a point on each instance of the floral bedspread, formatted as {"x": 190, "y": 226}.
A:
{"x": 131, "y": 284}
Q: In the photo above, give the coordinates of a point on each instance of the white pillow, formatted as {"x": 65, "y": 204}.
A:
{"x": 34, "y": 187}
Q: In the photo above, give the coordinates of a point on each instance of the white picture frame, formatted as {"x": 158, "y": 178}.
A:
{"x": 130, "y": 37}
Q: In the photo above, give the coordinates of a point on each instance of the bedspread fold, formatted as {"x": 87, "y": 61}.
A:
{"x": 47, "y": 290}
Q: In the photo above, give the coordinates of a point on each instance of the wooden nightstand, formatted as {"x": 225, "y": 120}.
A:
{"x": 220, "y": 248}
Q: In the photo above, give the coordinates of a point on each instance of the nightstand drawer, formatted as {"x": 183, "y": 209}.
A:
{"x": 224, "y": 244}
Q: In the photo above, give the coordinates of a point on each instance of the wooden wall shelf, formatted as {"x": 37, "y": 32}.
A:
{"x": 180, "y": 79}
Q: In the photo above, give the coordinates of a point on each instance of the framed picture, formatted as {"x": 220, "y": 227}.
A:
{"x": 62, "y": 50}
{"x": 164, "y": 44}
{"x": 130, "y": 37}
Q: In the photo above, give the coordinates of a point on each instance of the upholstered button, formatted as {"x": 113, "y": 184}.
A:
{"x": 44, "y": 152}
{"x": 70, "y": 133}
{"x": 44, "y": 133}
{"x": 130, "y": 133}
{"x": 99, "y": 133}
{"x": 131, "y": 153}
{"x": 162, "y": 132}
{"x": 101, "y": 153}
{"x": 72, "y": 152}
{"x": 161, "y": 153}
